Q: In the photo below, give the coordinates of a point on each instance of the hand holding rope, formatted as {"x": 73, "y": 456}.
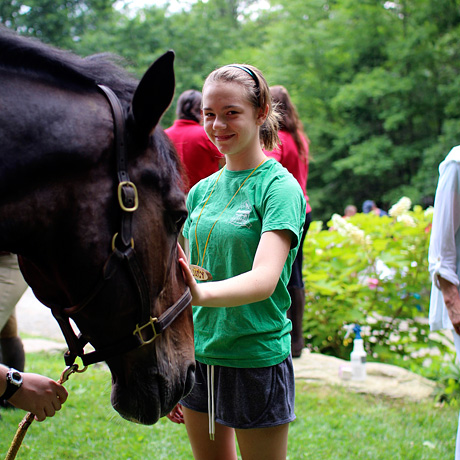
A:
{"x": 29, "y": 417}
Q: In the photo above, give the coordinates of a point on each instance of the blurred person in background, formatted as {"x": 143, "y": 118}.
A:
{"x": 30, "y": 392}
{"x": 370, "y": 206}
{"x": 349, "y": 211}
{"x": 12, "y": 287}
{"x": 444, "y": 254}
{"x": 198, "y": 154}
{"x": 293, "y": 154}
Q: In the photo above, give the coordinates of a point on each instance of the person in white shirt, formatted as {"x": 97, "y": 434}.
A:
{"x": 444, "y": 254}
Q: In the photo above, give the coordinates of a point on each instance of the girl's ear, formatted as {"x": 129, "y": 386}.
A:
{"x": 262, "y": 115}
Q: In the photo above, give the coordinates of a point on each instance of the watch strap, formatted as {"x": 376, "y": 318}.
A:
{"x": 11, "y": 387}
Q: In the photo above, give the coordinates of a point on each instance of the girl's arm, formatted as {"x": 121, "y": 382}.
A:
{"x": 255, "y": 285}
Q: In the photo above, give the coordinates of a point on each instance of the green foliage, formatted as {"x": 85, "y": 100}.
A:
{"x": 371, "y": 271}
{"x": 373, "y": 85}
{"x": 375, "y": 82}
{"x": 60, "y": 22}
{"x": 448, "y": 380}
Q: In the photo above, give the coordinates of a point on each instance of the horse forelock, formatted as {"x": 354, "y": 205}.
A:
{"x": 28, "y": 55}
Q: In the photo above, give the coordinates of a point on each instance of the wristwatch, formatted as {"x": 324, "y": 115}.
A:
{"x": 13, "y": 383}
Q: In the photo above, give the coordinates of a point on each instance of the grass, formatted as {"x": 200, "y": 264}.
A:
{"x": 331, "y": 423}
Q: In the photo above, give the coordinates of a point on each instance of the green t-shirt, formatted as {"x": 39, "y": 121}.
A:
{"x": 256, "y": 334}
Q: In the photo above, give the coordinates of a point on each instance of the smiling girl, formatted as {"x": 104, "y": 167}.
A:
{"x": 244, "y": 227}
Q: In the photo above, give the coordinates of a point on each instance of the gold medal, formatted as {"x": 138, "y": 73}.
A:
{"x": 200, "y": 273}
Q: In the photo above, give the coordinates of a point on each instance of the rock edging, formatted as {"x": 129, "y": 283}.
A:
{"x": 382, "y": 379}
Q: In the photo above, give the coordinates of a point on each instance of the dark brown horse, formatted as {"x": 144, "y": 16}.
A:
{"x": 91, "y": 201}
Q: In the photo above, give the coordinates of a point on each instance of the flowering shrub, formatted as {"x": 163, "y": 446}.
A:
{"x": 372, "y": 271}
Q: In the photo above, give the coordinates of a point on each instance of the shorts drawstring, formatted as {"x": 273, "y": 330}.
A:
{"x": 211, "y": 401}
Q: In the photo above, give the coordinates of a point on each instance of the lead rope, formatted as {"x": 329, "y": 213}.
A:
{"x": 29, "y": 417}
{"x": 211, "y": 402}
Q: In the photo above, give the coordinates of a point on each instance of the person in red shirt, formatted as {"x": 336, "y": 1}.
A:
{"x": 293, "y": 154}
{"x": 199, "y": 155}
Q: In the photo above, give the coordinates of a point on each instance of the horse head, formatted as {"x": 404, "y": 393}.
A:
{"x": 96, "y": 232}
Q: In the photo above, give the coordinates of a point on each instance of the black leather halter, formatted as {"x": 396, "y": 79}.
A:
{"x": 122, "y": 256}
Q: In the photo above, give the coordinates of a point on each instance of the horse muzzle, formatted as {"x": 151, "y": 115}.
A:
{"x": 143, "y": 394}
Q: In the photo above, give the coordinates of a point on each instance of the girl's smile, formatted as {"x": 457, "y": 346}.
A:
{"x": 230, "y": 120}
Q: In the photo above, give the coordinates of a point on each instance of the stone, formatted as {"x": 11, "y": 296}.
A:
{"x": 382, "y": 379}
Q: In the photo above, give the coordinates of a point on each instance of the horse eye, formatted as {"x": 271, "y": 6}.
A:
{"x": 178, "y": 217}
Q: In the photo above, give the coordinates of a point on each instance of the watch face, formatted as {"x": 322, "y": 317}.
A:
{"x": 15, "y": 377}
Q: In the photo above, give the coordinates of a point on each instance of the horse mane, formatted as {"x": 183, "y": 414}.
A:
{"x": 30, "y": 55}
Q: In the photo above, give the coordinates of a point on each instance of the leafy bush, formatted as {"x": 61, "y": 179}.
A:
{"x": 448, "y": 380}
{"x": 371, "y": 271}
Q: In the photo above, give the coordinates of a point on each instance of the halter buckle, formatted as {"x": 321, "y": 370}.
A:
{"x": 135, "y": 205}
{"x": 114, "y": 239}
{"x": 138, "y": 331}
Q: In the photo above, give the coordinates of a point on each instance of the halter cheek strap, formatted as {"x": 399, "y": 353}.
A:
{"x": 123, "y": 257}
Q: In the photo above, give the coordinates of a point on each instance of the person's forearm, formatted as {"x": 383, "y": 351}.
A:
{"x": 451, "y": 298}
{"x": 249, "y": 287}
{"x": 252, "y": 286}
{"x": 450, "y": 293}
{"x": 3, "y": 371}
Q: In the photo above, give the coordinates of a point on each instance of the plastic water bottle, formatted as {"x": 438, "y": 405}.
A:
{"x": 358, "y": 356}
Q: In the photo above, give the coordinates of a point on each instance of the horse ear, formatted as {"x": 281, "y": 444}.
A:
{"x": 154, "y": 94}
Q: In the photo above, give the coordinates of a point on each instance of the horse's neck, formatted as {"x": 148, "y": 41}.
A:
{"x": 44, "y": 128}
{"x": 54, "y": 143}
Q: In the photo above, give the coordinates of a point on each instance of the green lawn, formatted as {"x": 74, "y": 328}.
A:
{"x": 331, "y": 424}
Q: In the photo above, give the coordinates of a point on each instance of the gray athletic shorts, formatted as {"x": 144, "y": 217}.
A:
{"x": 246, "y": 398}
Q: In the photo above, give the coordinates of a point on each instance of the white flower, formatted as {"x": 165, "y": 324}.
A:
{"x": 339, "y": 224}
{"x": 357, "y": 235}
{"x": 401, "y": 207}
{"x": 407, "y": 220}
{"x": 344, "y": 228}
{"x": 429, "y": 212}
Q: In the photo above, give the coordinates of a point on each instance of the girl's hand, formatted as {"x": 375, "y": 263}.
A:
{"x": 189, "y": 279}
{"x": 176, "y": 415}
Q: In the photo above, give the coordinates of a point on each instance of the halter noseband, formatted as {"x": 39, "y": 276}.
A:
{"x": 148, "y": 328}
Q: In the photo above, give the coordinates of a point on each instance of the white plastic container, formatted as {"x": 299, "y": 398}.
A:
{"x": 358, "y": 357}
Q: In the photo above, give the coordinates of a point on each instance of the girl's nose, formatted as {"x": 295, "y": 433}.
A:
{"x": 219, "y": 123}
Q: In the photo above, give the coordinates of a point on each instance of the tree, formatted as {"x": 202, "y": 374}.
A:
{"x": 197, "y": 36}
{"x": 366, "y": 79}
{"x": 375, "y": 82}
{"x": 59, "y": 22}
